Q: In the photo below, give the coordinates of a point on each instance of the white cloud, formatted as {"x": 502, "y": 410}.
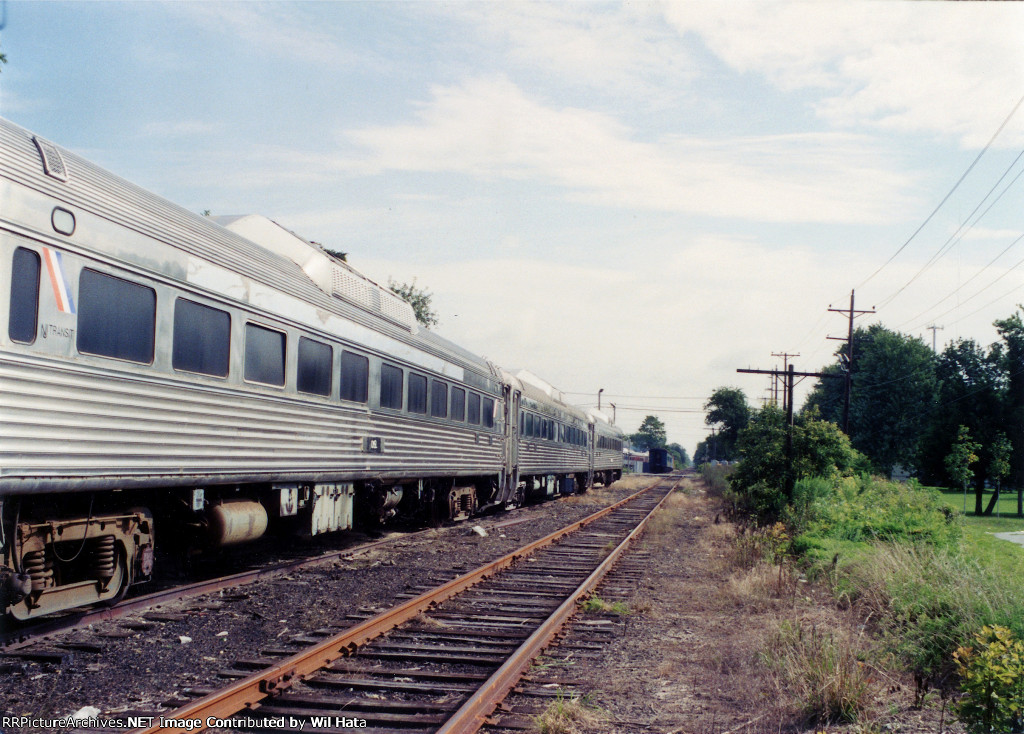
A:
{"x": 614, "y": 49}
{"x": 946, "y": 68}
{"x": 489, "y": 128}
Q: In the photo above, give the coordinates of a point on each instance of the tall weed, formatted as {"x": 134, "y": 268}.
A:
{"x": 926, "y": 602}
{"x": 820, "y": 670}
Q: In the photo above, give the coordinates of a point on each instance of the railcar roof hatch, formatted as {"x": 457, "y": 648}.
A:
{"x": 331, "y": 275}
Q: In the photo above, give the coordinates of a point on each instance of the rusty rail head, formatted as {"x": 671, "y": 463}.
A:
{"x": 474, "y": 712}
{"x": 248, "y": 692}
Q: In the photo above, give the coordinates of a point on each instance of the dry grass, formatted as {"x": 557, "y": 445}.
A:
{"x": 818, "y": 668}
{"x": 568, "y": 716}
{"x": 635, "y": 482}
{"x": 759, "y": 588}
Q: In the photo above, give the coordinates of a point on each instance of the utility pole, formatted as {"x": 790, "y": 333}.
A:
{"x": 790, "y": 383}
{"x": 785, "y": 366}
{"x": 851, "y": 314}
{"x": 933, "y": 329}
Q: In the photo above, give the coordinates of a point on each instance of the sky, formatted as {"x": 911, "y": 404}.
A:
{"x": 638, "y": 197}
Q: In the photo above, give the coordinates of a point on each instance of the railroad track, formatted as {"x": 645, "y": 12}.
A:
{"x": 440, "y": 661}
{"x": 20, "y": 637}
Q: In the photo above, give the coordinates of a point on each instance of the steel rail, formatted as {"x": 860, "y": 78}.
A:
{"x": 20, "y": 638}
{"x": 474, "y": 712}
{"x": 248, "y": 692}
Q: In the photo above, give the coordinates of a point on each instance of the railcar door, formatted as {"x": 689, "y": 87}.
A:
{"x": 512, "y": 400}
{"x": 591, "y": 453}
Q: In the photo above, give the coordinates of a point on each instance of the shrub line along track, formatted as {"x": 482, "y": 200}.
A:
{"x": 490, "y": 631}
{"x": 32, "y": 633}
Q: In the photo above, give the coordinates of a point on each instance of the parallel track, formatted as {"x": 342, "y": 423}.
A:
{"x": 441, "y": 661}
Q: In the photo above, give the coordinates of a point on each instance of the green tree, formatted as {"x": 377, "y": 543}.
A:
{"x": 894, "y": 388}
{"x": 418, "y": 298}
{"x": 682, "y": 458}
{"x": 1012, "y": 332}
{"x": 650, "y": 435}
{"x": 727, "y": 408}
{"x": 971, "y": 393}
{"x": 963, "y": 453}
{"x": 820, "y": 449}
{"x": 999, "y": 468}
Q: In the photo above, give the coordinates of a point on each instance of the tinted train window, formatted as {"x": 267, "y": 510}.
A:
{"x": 24, "y": 313}
{"x": 529, "y": 425}
{"x": 202, "y": 338}
{"x": 264, "y": 355}
{"x": 438, "y": 399}
{"x": 355, "y": 377}
{"x": 417, "y": 393}
{"x": 315, "y": 362}
{"x": 458, "y": 404}
{"x": 473, "y": 409}
{"x": 488, "y": 413}
{"x": 116, "y": 318}
{"x": 390, "y": 387}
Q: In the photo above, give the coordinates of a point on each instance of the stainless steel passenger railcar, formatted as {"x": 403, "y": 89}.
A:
{"x": 163, "y": 376}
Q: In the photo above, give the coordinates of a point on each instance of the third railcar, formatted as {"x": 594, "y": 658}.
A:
{"x": 163, "y": 376}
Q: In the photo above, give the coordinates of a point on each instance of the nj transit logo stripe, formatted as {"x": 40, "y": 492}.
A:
{"x": 61, "y": 289}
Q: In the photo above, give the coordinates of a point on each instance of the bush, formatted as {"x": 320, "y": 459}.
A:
{"x": 869, "y": 509}
{"x": 992, "y": 679}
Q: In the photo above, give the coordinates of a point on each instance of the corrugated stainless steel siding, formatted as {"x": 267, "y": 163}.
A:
{"x": 549, "y": 457}
{"x": 81, "y": 422}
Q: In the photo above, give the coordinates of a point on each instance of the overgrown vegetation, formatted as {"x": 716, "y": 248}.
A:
{"x": 895, "y": 551}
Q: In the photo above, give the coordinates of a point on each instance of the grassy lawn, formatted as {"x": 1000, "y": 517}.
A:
{"x": 1001, "y": 556}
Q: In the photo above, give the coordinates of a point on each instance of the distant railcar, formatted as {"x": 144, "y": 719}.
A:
{"x": 661, "y": 461}
{"x": 168, "y": 378}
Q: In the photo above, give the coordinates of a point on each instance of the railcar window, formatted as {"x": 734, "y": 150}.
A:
{"x": 24, "y": 313}
{"x": 529, "y": 425}
{"x": 202, "y": 338}
{"x": 473, "y": 409}
{"x": 522, "y": 423}
{"x": 488, "y": 413}
{"x": 315, "y": 362}
{"x": 390, "y": 386}
{"x": 116, "y": 318}
{"x": 264, "y": 355}
{"x": 355, "y": 377}
{"x": 438, "y": 399}
{"x": 458, "y": 404}
{"x": 417, "y": 393}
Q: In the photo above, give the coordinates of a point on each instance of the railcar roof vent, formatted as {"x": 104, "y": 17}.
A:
{"x": 337, "y": 278}
{"x": 53, "y": 162}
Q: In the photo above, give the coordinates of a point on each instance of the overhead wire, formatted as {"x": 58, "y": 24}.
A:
{"x": 946, "y": 197}
{"x": 957, "y": 236}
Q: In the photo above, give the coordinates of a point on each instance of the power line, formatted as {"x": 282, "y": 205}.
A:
{"x": 955, "y": 238}
{"x": 946, "y": 197}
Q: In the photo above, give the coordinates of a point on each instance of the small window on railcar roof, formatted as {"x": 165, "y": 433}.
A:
{"x": 355, "y": 377}
{"x": 264, "y": 355}
{"x": 417, "y": 393}
{"x": 116, "y": 318}
{"x": 314, "y": 370}
{"x": 391, "y": 387}
{"x": 202, "y": 339}
{"x": 458, "y": 404}
{"x": 24, "y": 312}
